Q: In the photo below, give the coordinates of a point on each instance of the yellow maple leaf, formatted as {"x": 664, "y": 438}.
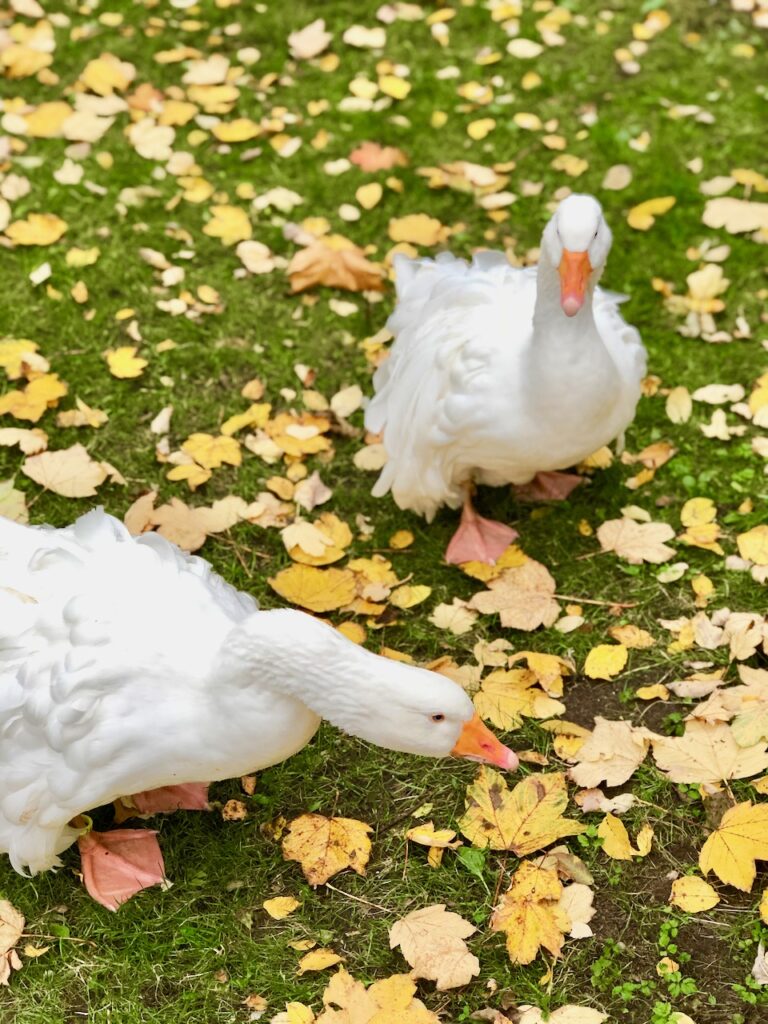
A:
{"x": 280, "y": 907}
{"x": 605, "y": 661}
{"x": 322, "y": 263}
{"x": 229, "y": 223}
{"x": 324, "y": 846}
{"x": 753, "y": 544}
{"x": 319, "y": 590}
{"x": 211, "y": 452}
{"x": 432, "y": 941}
{"x": 693, "y": 895}
{"x": 124, "y": 363}
{"x": 643, "y": 216}
{"x": 505, "y": 697}
{"x": 46, "y": 120}
{"x": 530, "y": 915}
{"x": 401, "y": 539}
{"x": 82, "y": 416}
{"x": 37, "y": 229}
{"x": 523, "y": 820}
{"x": 740, "y": 839}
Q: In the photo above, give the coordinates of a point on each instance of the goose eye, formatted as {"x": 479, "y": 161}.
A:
{"x": 438, "y": 718}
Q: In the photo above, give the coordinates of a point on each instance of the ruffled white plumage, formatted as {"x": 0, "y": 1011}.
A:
{"x": 103, "y": 639}
{"x": 468, "y": 393}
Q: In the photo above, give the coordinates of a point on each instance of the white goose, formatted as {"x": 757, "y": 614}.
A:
{"x": 126, "y": 666}
{"x": 497, "y": 375}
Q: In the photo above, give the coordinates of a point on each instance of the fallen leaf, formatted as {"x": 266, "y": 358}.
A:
{"x": 418, "y": 229}
{"x": 708, "y": 753}
{"x": 13, "y": 503}
{"x": 70, "y": 472}
{"x": 505, "y": 697}
{"x": 740, "y": 839}
{"x": 456, "y": 617}
{"x": 735, "y": 215}
{"x": 605, "y": 661}
{"x": 325, "y": 846}
{"x": 371, "y": 157}
{"x": 523, "y": 596}
{"x": 432, "y": 941}
{"x": 347, "y": 268}
{"x": 693, "y": 895}
{"x": 318, "y": 960}
{"x": 524, "y": 819}
{"x": 636, "y": 542}
{"x": 319, "y": 590}
{"x": 279, "y": 907}
{"x": 611, "y": 754}
{"x": 753, "y": 545}
{"x": 530, "y": 914}
{"x": 124, "y": 363}
{"x": 310, "y": 41}
{"x": 643, "y": 216}
{"x": 388, "y": 1001}
{"x": 37, "y": 229}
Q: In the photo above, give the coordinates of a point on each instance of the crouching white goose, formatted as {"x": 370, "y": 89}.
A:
{"x": 497, "y": 375}
{"x": 127, "y": 666}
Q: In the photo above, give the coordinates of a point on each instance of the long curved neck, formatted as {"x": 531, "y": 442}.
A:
{"x": 292, "y": 654}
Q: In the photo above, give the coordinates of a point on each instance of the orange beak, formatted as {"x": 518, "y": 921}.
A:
{"x": 574, "y": 270}
{"x": 477, "y": 743}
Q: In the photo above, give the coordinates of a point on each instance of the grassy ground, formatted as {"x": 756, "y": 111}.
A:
{"x": 192, "y": 954}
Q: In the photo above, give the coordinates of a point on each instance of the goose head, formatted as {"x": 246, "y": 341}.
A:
{"x": 577, "y": 241}
{"x": 388, "y": 703}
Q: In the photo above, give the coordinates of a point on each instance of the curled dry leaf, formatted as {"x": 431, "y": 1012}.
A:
{"x": 636, "y": 542}
{"x": 523, "y": 596}
{"x": 735, "y": 215}
{"x": 432, "y": 941}
{"x": 611, "y": 754}
{"x": 324, "y": 846}
{"x": 346, "y": 268}
{"x": 707, "y": 753}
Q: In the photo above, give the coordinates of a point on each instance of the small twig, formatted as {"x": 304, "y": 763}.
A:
{"x": 592, "y": 600}
{"x": 499, "y": 880}
{"x": 357, "y": 899}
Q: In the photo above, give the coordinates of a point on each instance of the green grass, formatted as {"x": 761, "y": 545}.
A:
{"x": 161, "y": 957}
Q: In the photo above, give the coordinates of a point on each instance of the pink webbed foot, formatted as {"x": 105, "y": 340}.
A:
{"x": 549, "y": 487}
{"x": 479, "y": 540}
{"x": 191, "y": 796}
{"x": 117, "y": 865}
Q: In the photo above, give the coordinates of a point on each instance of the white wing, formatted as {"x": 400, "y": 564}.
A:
{"x": 456, "y": 325}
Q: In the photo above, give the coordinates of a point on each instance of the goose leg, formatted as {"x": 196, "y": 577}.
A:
{"x": 549, "y": 487}
{"x": 116, "y": 865}
{"x": 477, "y": 539}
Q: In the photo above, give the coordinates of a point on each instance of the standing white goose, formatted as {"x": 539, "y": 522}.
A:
{"x": 126, "y": 665}
{"x": 497, "y": 375}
